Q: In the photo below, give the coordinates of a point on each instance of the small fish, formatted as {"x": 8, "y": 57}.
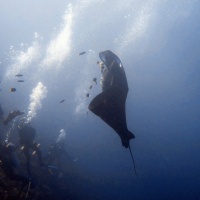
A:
{"x": 87, "y": 95}
{"x": 98, "y": 62}
{"x": 81, "y": 53}
{"x": 20, "y": 81}
{"x": 62, "y": 101}
{"x": 12, "y": 89}
{"x": 19, "y": 75}
{"x": 95, "y": 80}
{"x": 90, "y": 87}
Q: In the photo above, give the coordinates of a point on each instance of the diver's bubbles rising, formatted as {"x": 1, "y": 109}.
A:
{"x": 38, "y": 93}
{"x": 23, "y": 60}
{"x": 62, "y": 131}
{"x": 41, "y": 59}
{"x": 136, "y": 27}
{"x": 61, "y": 136}
{"x": 59, "y": 47}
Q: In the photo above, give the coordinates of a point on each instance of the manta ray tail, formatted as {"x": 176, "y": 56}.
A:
{"x": 132, "y": 159}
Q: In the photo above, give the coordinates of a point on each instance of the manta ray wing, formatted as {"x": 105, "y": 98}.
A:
{"x": 111, "y": 109}
{"x": 105, "y": 105}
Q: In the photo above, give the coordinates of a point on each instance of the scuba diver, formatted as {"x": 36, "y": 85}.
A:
{"x": 12, "y": 115}
{"x": 27, "y": 140}
{"x": 57, "y": 150}
{"x": 9, "y": 162}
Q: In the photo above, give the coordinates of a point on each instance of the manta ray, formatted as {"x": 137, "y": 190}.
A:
{"x": 109, "y": 105}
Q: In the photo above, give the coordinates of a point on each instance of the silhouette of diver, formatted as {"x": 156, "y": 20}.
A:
{"x": 27, "y": 140}
{"x": 9, "y": 162}
{"x": 57, "y": 150}
{"x": 12, "y": 115}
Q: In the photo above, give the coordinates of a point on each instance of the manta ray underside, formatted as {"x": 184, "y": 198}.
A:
{"x": 109, "y": 105}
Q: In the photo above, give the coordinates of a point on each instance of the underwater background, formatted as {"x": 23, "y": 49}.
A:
{"x": 158, "y": 42}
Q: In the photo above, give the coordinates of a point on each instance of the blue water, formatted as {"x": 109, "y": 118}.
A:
{"x": 158, "y": 44}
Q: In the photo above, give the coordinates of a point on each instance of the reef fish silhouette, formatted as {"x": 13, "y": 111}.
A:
{"x": 82, "y": 53}
{"x": 19, "y": 75}
{"x": 109, "y": 105}
{"x": 62, "y": 100}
